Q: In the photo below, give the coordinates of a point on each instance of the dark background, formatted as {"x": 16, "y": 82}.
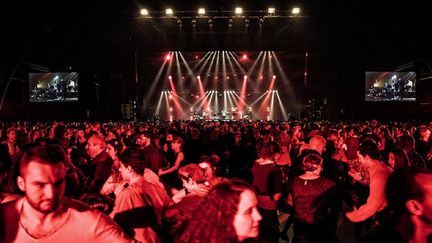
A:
{"x": 116, "y": 53}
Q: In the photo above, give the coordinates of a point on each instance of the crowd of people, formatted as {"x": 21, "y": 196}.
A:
{"x": 215, "y": 181}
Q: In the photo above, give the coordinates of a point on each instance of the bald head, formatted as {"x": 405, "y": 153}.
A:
{"x": 95, "y": 145}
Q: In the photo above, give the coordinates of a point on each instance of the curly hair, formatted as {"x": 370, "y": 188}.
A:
{"x": 214, "y": 220}
{"x": 269, "y": 150}
{"x": 311, "y": 162}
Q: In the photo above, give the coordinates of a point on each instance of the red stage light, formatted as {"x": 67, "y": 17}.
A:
{"x": 244, "y": 57}
{"x": 168, "y": 57}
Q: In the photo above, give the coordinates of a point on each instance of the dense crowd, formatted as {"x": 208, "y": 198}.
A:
{"x": 215, "y": 181}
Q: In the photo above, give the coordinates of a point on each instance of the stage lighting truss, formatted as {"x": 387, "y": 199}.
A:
{"x": 250, "y": 17}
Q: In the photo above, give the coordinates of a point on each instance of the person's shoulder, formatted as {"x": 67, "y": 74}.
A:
{"x": 83, "y": 211}
{"x": 10, "y": 205}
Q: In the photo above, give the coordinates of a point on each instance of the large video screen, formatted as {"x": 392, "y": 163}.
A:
{"x": 390, "y": 86}
{"x": 53, "y": 87}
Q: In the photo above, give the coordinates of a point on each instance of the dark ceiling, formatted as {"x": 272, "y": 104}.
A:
{"x": 71, "y": 33}
{"x": 344, "y": 37}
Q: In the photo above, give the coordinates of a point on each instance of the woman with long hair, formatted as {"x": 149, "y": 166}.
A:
{"x": 169, "y": 175}
{"x": 228, "y": 214}
{"x": 114, "y": 148}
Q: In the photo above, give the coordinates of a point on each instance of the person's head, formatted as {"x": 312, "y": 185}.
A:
{"x": 177, "y": 143}
{"x": 424, "y": 133}
{"x": 195, "y": 133}
{"x": 95, "y": 145}
{"x": 409, "y": 190}
{"x": 210, "y": 165}
{"x": 191, "y": 175}
{"x": 34, "y": 135}
{"x": 59, "y": 131}
{"x": 270, "y": 151}
{"x": 143, "y": 139}
{"x": 367, "y": 152}
{"x": 12, "y": 135}
{"x": 81, "y": 133}
{"x": 114, "y": 147}
{"x": 131, "y": 163}
{"x": 228, "y": 214}
{"x": 169, "y": 137}
{"x": 318, "y": 143}
{"x": 42, "y": 174}
{"x": 406, "y": 142}
{"x": 313, "y": 163}
{"x": 397, "y": 158}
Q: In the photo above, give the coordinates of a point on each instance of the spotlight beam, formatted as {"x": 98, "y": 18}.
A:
{"x": 261, "y": 69}
{"x": 254, "y": 64}
{"x": 225, "y": 105}
{"x": 292, "y": 97}
{"x": 224, "y": 73}
{"x": 216, "y": 70}
{"x": 237, "y": 63}
{"x": 272, "y": 105}
{"x": 204, "y": 59}
{"x": 209, "y": 67}
{"x": 282, "y": 107}
{"x": 259, "y": 98}
{"x": 156, "y": 80}
{"x": 159, "y": 103}
{"x": 179, "y": 72}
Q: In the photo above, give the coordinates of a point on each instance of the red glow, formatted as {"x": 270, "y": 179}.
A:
{"x": 244, "y": 57}
{"x": 168, "y": 57}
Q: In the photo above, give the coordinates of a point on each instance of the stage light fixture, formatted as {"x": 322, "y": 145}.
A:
{"x": 144, "y": 12}
{"x": 245, "y": 77}
{"x": 168, "y": 57}
{"x": 296, "y": 11}
{"x": 244, "y": 57}
{"x": 201, "y": 11}
{"x": 271, "y": 11}
{"x": 238, "y": 11}
{"x": 274, "y": 76}
{"x": 198, "y": 77}
{"x": 179, "y": 23}
{"x": 170, "y": 77}
{"x": 230, "y": 22}
{"x": 261, "y": 21}
{"x": 194, "y": 23}
{"x": 247, "y": 22}
{"x": 169, "y": 12}
{"x": 210, "y": 22}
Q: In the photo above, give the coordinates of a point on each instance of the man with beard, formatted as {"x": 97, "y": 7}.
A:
{"x": 43, "y": 214}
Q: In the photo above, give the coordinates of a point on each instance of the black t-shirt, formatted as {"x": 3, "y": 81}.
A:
{"x": 315, "y": 200}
